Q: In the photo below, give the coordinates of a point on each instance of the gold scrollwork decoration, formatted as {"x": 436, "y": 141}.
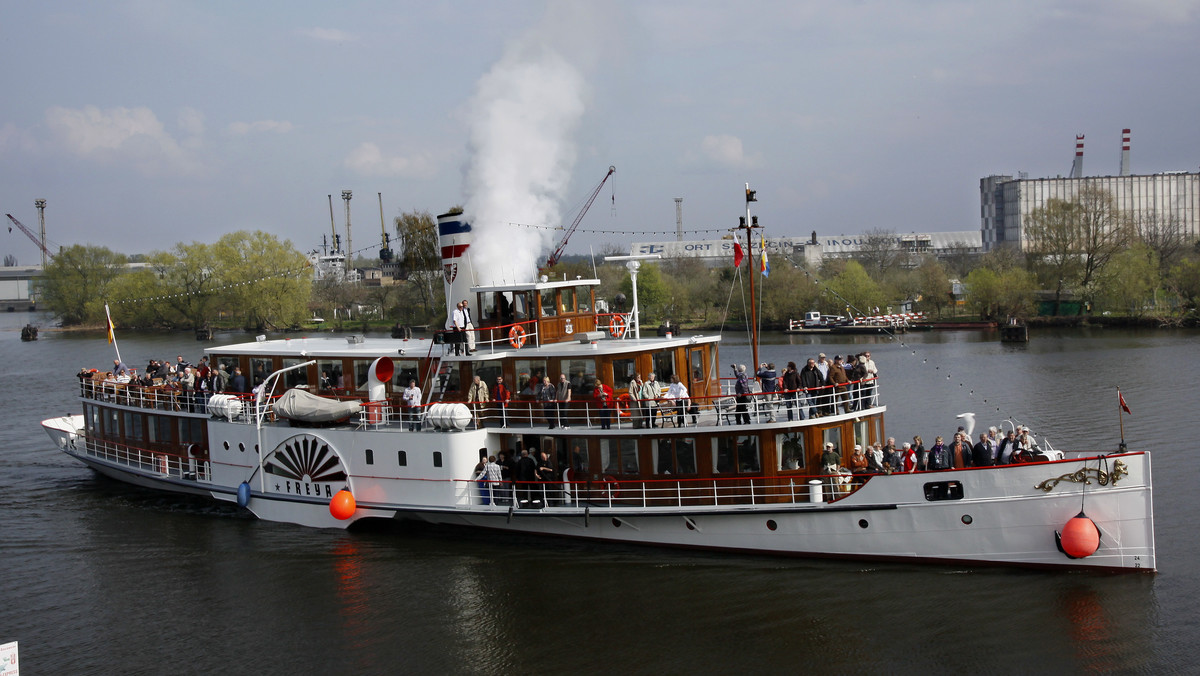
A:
{"x": 1085, "y": 476}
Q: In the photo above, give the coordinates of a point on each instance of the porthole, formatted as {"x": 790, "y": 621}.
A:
{"x": 241, "y": 447}
{"x": 370, "y": 456}
{"x": 771, "y": 525}
{"x": 862, "y": 523}
{"x": 616, "y": 523}
{"x": 966, "y": 519}
{"x": 688, "y": 522}
{"x": 437, "y": 458}
{"x": 226, "y": 444}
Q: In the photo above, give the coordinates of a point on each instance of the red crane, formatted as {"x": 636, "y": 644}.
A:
{"x": 575, "y": 224}
{"x": 27, "y": 231}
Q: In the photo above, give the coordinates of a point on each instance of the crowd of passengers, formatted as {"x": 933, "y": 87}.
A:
{"x": 818, "y": 389}
{"x": 526, "y": 479}
{"x": 192, "y": 384}
{"x": 992, "y": 448}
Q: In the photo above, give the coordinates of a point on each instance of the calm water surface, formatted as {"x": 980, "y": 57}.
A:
{"x": 102, "y": 578}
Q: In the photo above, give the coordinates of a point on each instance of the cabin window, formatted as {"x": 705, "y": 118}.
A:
{"x": 736, "y": 454}
{"x": 370, "y": 456}
{"x": 191, "y": 431}
{"x": 437, "y": 458}
{"x": 548, "y": 306}
{"x": 862, "y": 434}
{"x": 402, "y": 458}
{"x": 229, "y": 363}
{"x": 112, "y": 428}
{"x": 260, "y": 369}
{"x": 160, "y": 429}
{"x": 664, "y": 366}
{"x": 92, "y": 419}
{"x": 297, "y": 378}
{"x": 520, "y": 306}
{"x": 487, "y": 305}
{"x": 329, "y": 373}
{"x": 582, "y": 374}
{"x": 584, "y": 299}
{"x": 833, "y": 435}
{"x": 675, "y": 455}
{"x": 623, "y": 371}
{"x": 619, "y": 456}
{"x": 362, "y": 367}
{"x": 133, "y": 426}
{"x": 406, "y": 370}
{"x": 529, "y": 373}
{"x": 567, "y": 298}
{"x": 789, "y": 446}
{"x": 577, "y": 459}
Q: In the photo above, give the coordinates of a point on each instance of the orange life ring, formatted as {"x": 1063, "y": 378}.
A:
{"x": 624, "y": 402}
{"x": 617, "y": 326}
{"x": 611, "y": 489}
{"x": 516, "y": 337}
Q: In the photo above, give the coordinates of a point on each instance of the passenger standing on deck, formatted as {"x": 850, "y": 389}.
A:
{"x": 939, "y": 455}
{"x": 791, "y": 394}
{"x": 526, "y": 475}
{"x": 545, "y": 475}
{"x": 678, "y": 394}
{"x": 456, "y": 323}
{"x": 838, "y": 378}
{"x": 501, "y": 395}
{"x": 960, "y": 451}
{"x": 769, "y": 384}
{"x": 870, "y": 392}
{"x": 468, "y": 326}
{"x": 508, "y": 469}
{"x": 237, "y": 384}
{"x": 546, "y": 394}
{"x": 477, "y": 396}
{"x": 603, "y": 400}
{"x": 922, "y": 455}
{"x": 981, "y": 453}
{"x": 635, "y": 392}
{"x": 412, "y": 403}
{"x": 910, "y": 457}
{"x": 495, "y": 478}
{"x": 812, "y": 381}
{"x": 651, "y": 391}
{"x": 562, "y": 397}
{"x": 741, "y": 396}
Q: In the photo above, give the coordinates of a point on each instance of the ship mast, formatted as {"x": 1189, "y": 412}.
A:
{"x": 749, "y": 224}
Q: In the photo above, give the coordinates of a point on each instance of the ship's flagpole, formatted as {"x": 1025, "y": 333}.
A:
{"x": 1122, "y": 409}
{"x": 112, "y": 334}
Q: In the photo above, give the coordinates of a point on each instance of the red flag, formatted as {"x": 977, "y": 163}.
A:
{"x": 737, "y": 255}
{"x": 1121, "y": 400}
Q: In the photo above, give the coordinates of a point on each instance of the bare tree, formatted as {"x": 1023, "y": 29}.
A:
{"x": 880, "y": 251}
{"x": 9, "y": 260}
{"x": 1164, "y": 234}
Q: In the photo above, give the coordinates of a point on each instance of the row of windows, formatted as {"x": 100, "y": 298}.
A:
{"x": 135, "y": 427}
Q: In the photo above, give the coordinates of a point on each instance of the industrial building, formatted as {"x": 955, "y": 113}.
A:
{"x": 1005, "y": 202}
{"x": 812, "y": 250}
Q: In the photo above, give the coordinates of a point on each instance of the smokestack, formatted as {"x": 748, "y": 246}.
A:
{"x": 1124, "y": 152}
{"x": 678, "y": 219}
{"x": 454, "y": 238}
{"x": 1077, "y": 167}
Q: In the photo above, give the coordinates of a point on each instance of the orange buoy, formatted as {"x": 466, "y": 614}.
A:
{"x": 342, "y": 505}
{"x": 1079, "y": 538}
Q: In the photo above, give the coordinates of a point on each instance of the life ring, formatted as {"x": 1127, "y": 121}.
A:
{"x": 516, "y": 337}
{"x": 617, "y": 326}
{"x": 611, "y": 490}
{"x": 624, "y": 403}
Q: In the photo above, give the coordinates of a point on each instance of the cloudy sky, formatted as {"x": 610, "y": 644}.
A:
{"x": 148, "y": 123}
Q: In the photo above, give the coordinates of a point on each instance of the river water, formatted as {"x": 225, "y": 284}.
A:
{"x": 99, "y": 577}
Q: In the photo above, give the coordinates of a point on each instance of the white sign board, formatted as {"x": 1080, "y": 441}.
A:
{"x": 8, "y": 660}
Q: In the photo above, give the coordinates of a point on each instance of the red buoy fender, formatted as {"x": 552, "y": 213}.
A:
{"x": 1079, "y": 538}
{"x": 342, "y": 505}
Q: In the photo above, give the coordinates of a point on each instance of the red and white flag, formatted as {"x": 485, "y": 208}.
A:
{"x": 737, "y": 255}
{"x": 1121, "y": 400}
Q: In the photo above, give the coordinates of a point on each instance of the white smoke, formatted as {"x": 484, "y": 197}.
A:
{"x": 523, "y": 119}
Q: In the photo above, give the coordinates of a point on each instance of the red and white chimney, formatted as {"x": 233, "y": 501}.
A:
{"x": 1077, "y": 167}
{"x": 1124, "y": 152}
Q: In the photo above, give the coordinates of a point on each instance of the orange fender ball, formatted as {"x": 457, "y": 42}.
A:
{"x": 342, "y": 505}
{"x": 1080, "y": 537}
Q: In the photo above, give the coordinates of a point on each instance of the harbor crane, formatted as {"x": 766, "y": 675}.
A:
{"x": 40, "y": 244}
{"x": 562, "y": 244}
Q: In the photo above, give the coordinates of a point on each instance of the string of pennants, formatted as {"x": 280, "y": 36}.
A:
{"x": 622, "y": 232}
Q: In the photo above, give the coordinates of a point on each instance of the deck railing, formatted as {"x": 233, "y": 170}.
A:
{"x": 523, "y": 411}
{"x": 666, "y": 493}
{"x": 148, "y": 460}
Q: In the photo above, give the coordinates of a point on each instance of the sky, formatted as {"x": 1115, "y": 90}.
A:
{"x": 149, "y": 123}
